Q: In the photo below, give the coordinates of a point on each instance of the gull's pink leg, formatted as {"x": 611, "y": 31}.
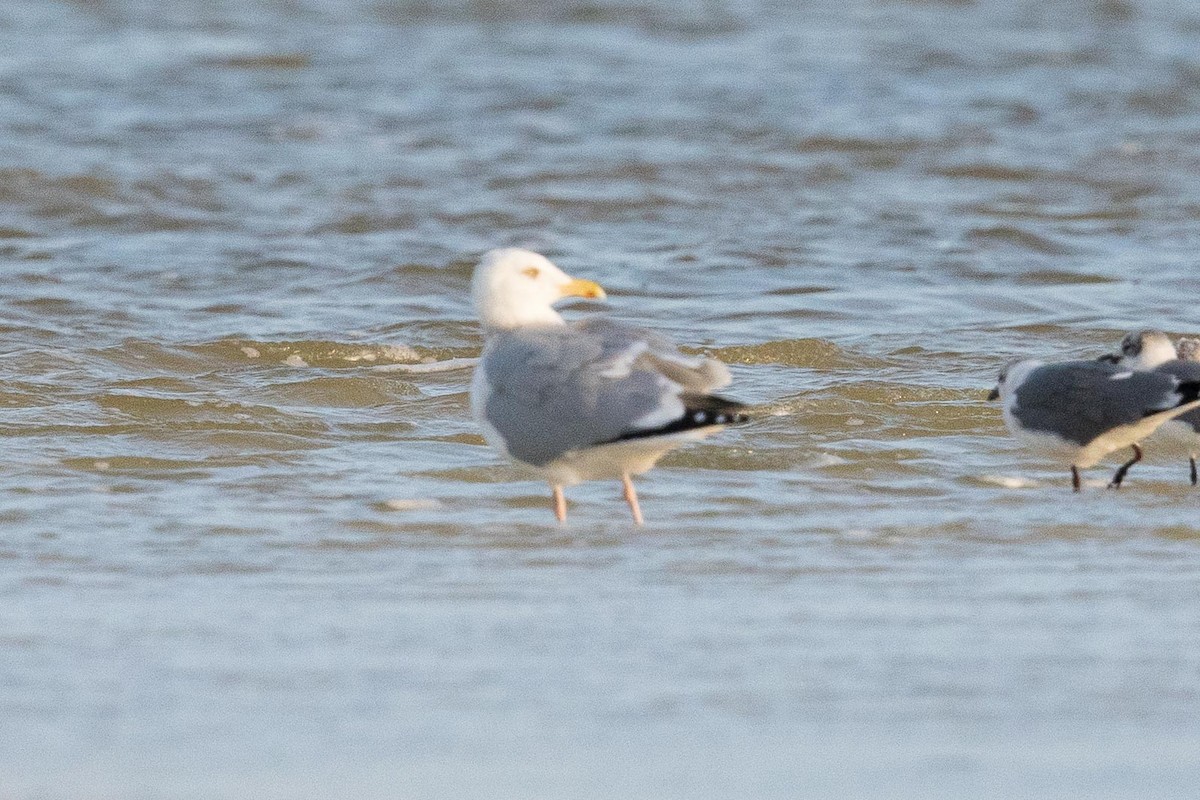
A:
{"x": 631, "y": 498}
{"x": 560, "y": 503}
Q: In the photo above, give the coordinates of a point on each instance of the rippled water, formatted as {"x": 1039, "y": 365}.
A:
{"x": 254, "y": 546}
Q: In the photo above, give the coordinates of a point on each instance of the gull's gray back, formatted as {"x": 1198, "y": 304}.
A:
{"x": 553, "y": 389}
{"x": 1081, "y": 400}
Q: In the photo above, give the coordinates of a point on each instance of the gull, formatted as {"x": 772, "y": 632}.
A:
{"x": 1084, "y": 410}
{"x": 588, "y": 400}
{"x": 1153, "y": 350}
{"x": 1142, "y": 349}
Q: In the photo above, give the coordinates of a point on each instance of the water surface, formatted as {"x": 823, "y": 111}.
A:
{"x": 248, "y": 551}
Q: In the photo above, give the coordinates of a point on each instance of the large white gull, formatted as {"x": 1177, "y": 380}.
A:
{"x": 589, "y": 400}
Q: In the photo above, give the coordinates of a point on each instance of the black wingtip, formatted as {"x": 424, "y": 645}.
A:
{"x": 706, "y": 410}
{"x": 700, "y": 411}
{"x": 1189, "y": 391}
{"x": 703, "y": 417}
{"x": 716, "y": 409}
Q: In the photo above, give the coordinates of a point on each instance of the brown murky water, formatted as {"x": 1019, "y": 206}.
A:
{"x": 248, "y": 551}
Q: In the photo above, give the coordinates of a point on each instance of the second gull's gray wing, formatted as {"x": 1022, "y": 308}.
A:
{"x": 1081, "y": 400}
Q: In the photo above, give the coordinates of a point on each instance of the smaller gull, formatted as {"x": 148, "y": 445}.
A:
{"x": 587, "y": 400}
{"x": 1152, "y": 350}
{"x": 1084, "y": 410}
{"x": 1142, "y": 349}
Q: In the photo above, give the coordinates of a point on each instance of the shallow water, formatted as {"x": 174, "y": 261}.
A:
{"x": 250, "y": 550}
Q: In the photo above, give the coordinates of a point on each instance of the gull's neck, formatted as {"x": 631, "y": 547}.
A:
{"x": 497, "y": 318}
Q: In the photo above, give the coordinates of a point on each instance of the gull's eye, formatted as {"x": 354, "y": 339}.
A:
{"x": 531, "y": 272}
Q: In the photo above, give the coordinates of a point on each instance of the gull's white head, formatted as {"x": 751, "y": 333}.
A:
{"x": 514, "y": 287}
{"x": 1146, "y": 349}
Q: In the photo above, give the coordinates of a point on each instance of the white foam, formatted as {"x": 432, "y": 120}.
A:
{"x": 1009, "y": 481}
{"x": 859, "y": 534}
{"x": 391, "y": 352}
{"x": 448, "y": 365}
{"x": 412, "y": 504}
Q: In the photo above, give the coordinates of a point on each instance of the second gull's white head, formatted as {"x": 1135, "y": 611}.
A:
{"x": 514, "y": 287}
{"x": 1146, "y": 349}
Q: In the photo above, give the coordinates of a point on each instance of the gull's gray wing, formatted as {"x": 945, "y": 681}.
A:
{"x": 1081, "y": 400}
{"x": 553, "y": 389}
{"x": 645, "y": 349}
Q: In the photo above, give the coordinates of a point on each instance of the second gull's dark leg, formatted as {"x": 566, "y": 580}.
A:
{"x": 1121, "y": 470}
